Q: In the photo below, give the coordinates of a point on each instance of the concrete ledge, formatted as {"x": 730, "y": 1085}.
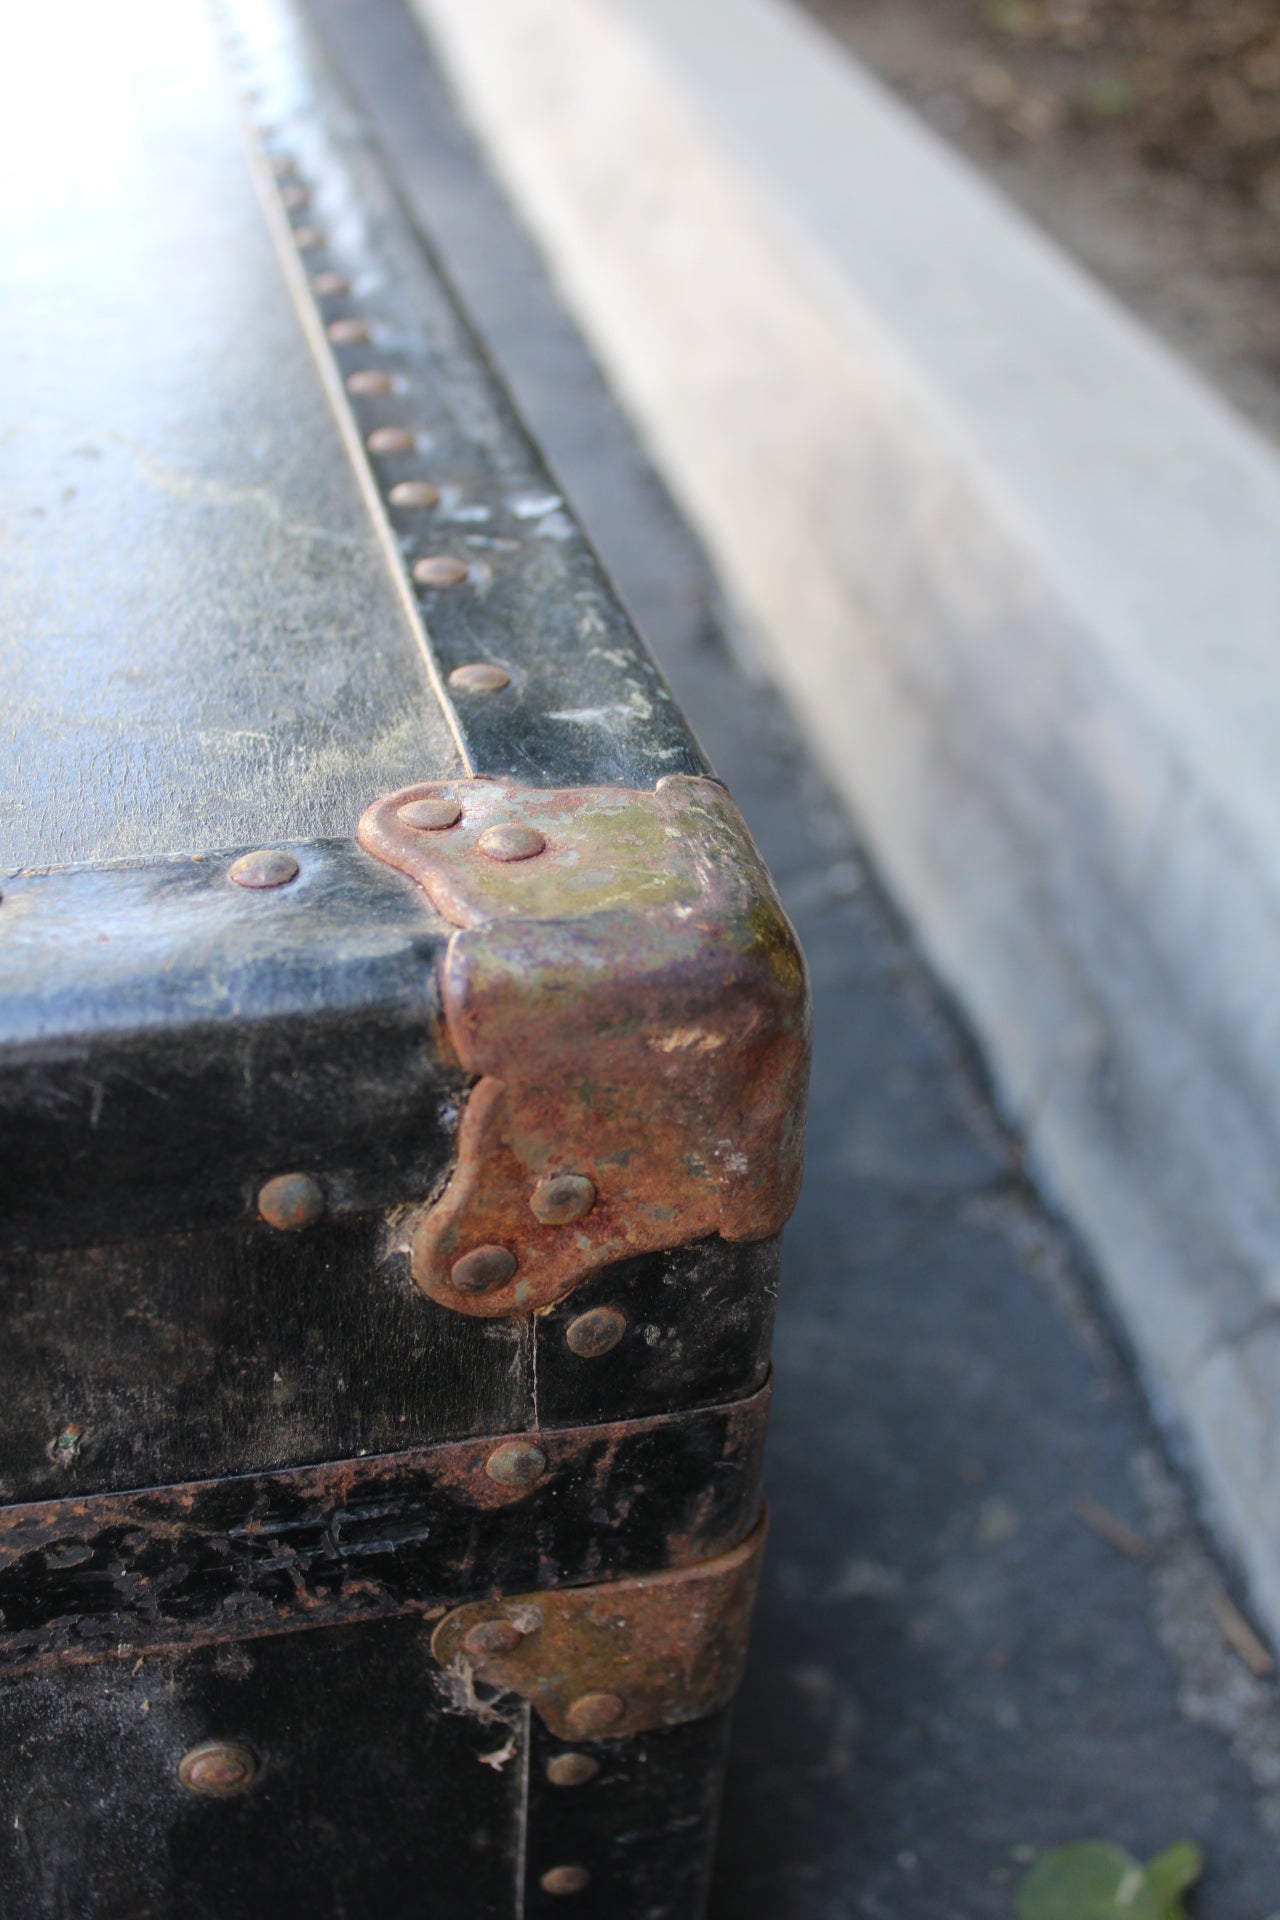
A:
{"x": 1020, "y": 574}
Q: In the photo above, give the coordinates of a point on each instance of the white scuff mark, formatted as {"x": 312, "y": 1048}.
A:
{"x": 556, "y": 526}
{"x": 532, "y": 506}
{"x": 635, "y": 707}
{"x": 591, "y": 716}
{"x": 464, "y": 514}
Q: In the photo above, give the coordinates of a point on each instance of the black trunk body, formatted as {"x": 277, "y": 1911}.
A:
{"x": 246, "y": 1464}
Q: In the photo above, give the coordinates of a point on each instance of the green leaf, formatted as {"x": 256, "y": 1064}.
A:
{"x": 1171, "y": 1874}
{"x": 1096, "y": 1881}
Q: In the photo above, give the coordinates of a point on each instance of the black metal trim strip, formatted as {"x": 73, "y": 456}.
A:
{"x": 420, "y": 1531}
{"x": 572, "y": 696}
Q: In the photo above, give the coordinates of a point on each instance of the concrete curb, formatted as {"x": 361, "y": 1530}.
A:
{"x": 1017, "y": 570}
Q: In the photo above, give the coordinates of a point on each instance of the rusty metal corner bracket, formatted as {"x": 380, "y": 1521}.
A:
{"x": 630, "y": 995}
{"x": 624, "y": 1657}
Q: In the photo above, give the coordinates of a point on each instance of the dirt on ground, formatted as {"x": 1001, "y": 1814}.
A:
{"x": 1143, "y": 134}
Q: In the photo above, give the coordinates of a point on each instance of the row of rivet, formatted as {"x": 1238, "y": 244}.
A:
{"x": 562, "y": 1199}
{"x": 222, "y": 1768}
{"x": 294, "y": 1201}
{"x": 439, "y": 571}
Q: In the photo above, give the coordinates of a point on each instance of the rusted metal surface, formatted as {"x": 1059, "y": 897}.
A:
{"x": 290, "y": 1202}
{"x": 218, "y": 1767}
{"x": 632, "y": 999}
{"x": 619, "y": 1659}
{"x": 260, "y": 871}
{"x": 213, "y": 1560}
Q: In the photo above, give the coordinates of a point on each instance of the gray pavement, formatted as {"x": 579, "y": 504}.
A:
{"x": 951, "y": 1668}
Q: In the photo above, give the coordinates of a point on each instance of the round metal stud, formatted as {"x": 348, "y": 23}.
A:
{"x": 518, "y": 1463}
{"x": 596, "y": 1332}
{"x": 346, "y": 333}
{"x": 562, "y": 1199}
{"x": 565, "y": 1880}
{"x": 368, "y": 379}
{"x": 482, "y": 1269}
{"x": 429, "y": 816}
{"x": 291, "y": 1202}
{"x": 596, "y": 1712}
{"x": 391, "y": 440}
{"x": 413, "y": 493}
{"x": 328, "y": 285}
{"x": 440, "y": 570}
{"x": 307, "y": 239}
{"x": 493, "y": 1636}
{"x": 478, "y": 676}
{"x": 267, "y": 867}
{"x": 510, "y": 841}
{"x": 571, "y": 1769}
{"x": 218, "y": 1767}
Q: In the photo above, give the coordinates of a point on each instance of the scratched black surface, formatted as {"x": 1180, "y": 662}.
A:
{"x": 172, "y": 1040}
{"x": 346, "y": 1724}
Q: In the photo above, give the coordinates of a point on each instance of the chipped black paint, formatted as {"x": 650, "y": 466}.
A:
{"x": 357, "y": 1539}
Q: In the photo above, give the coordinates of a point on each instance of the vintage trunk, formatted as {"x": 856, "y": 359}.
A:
{"x": 402, "y": 1062}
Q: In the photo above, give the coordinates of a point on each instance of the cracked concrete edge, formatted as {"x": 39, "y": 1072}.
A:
{"x": 1015, "y": 569}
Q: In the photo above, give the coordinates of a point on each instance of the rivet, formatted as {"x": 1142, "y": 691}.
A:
{"x": 391, "y": 440}
{"x": 493, "y": 1636}
{"x": 440, "y": 570}
{"x": 307, "y": 239}
{"x": 368, "y": 379}
{"x": 478, "y": 676}
{"x": 516, "y": 1464}
{"x": 565, "y": 1880}
{"x": 294, "y": 196}
{"x": 326, "y": 284}
{"x": 291, "y": 1202}
{"x": 596, "y": 1332}
{"x": 429, "y": 816}
{"x": 345, "y": 333}
{"x": 217, "y": 1767}
{"x": 268, "y": 867}
{"x": 413, "y": 493}
{"x": 571, "y": 1769}
{"x": 562, "y": 1199}
{"x": 483, "y": 1268}
{"x": 596, "y": 1712}
{"x": 510, "y": 841}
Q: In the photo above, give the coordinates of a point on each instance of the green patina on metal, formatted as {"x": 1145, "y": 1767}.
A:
{"x": 634, "y": 1005}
